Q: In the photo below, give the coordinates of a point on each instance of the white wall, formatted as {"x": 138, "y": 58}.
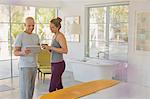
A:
{"x": 76, "y": 49}
{"x": 139, "y": 63}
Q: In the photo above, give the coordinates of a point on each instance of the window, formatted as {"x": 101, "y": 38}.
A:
{"x": 4, "y": 31}
{"x": 18, "y": 15}
{"x": 10, "y": 29}
{"x": 44, "y": 15}
{"x": 108, "y": 32}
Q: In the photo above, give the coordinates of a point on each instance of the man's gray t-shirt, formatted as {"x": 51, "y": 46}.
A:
{"x": 24, "y": 40}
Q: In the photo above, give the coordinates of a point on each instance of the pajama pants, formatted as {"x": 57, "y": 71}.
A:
{"x": 56, "y": 77}
{"x": 27, "y": 77}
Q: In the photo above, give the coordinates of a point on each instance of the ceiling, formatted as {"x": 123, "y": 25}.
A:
{"x": 56, "y": 0}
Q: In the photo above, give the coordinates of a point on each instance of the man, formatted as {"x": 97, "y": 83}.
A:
{"x": 27, "y": 60}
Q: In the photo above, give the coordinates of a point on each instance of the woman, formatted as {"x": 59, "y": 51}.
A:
{"x": 57, "y": 48}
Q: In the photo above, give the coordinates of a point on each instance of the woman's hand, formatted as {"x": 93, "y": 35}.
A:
{"x": 45, "y": 46}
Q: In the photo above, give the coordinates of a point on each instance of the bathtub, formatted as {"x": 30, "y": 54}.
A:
{"x": 93, "y": 69}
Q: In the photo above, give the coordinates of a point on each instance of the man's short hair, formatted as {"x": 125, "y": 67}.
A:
{"x": 29, "y": 18}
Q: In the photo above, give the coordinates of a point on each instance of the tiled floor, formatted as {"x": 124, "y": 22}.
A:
{"x": 120, "y": 91}
{"x": 40, "y": 88}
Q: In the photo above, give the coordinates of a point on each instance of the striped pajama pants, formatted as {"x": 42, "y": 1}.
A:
{"x": 27, "y": 76}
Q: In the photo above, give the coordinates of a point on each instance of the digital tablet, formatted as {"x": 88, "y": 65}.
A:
{"x": 34, "y": 49}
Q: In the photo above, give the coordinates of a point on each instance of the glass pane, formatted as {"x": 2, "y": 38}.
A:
{"x": 44, "y": 33}
{"x": 118, "y": 51}
{"x": 44, "y": 15}
{"x": 4, "y": 13}
{"x": 118, "y": 32}
{"x": 4, "y": 31}
{"x": 118, "y": 14}
{"x": 19, "y": 13}
{"x": 97, "y": 15}
{"x": 95, "y": 47}
{"x": 97, "y": 32}
{"x": 5, "y": 60}
{"x": 16, "y": 29}
{"x": 5, "y": 70}
{"x": 14, "y": 59}
{"x": 4, "y": 50}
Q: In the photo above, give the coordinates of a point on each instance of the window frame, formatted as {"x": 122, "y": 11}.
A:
{"x": 87, "y": 26}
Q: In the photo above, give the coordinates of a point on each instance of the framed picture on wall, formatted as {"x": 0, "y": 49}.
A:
{"x": 143, "y": 31}
{"x": 69, "y": 20}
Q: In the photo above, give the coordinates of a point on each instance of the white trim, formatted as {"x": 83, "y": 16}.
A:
{"x": 108, "y": 4}
{"x": 47, "y": 4}
{"x": 86, "y": 28}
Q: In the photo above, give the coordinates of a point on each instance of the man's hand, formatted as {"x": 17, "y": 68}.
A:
{"x": 25, "y": 52}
